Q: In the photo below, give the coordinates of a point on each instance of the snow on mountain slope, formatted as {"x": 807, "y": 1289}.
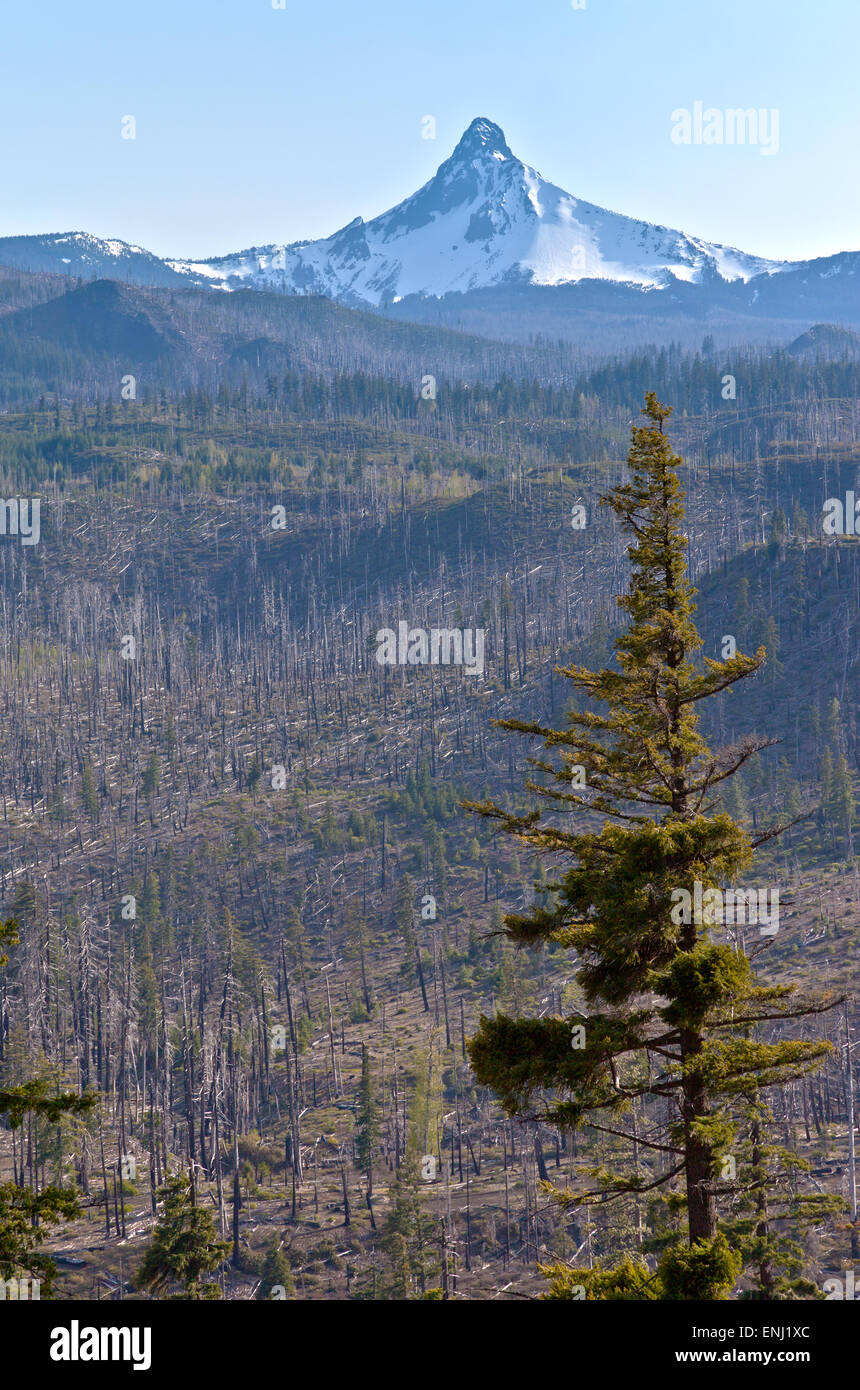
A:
{"x": 78, "y": 253}
{"x": 483, "y": 219}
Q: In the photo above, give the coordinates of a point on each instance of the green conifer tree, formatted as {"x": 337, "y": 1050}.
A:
{"x": 404, "y": 899}
{"x": 670, "y": 1006}
{"x": 185, "y": 1248}
{"x": 277, "y": 1277}
{"x": 366, "y": 1127}
{"x": 89, "y": 795}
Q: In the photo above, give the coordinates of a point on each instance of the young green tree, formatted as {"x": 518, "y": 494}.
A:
{"x": 185, "y": 1247}
{"x": 841, "y": 804}
{"x": 89, "y": 795}
{"x": 404, "y": 913}
{"x": 253, "y": 775}
{"x": 367, "y": 1127}
{"x": 667, "y": 1001}
{"x": 277, "y": 1277}
{"x": 409, "y": 1236}
{"x": 151, "y": 780}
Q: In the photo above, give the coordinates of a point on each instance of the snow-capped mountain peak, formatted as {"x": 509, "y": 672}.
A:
{"x": 484, "y": 219}
{"x": 482, "y": 139}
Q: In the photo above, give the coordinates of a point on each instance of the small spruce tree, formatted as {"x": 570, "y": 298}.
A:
{"x": 185, "y": 1248}
{"x": 277, "y": 1277}
{"x": 367, "y": 1127}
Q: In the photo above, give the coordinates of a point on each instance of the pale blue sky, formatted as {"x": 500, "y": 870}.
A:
{"x": 258, "y": 125}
